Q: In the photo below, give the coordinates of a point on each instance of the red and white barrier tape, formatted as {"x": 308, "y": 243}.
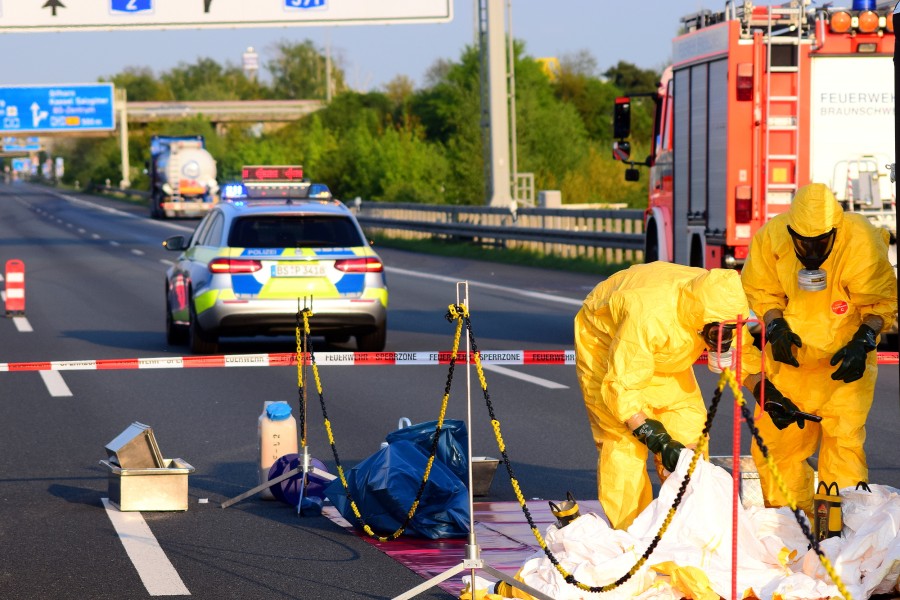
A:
{"x": 287, "y": 359}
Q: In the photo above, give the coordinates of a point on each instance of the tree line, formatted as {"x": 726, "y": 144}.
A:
{"x": 400, "y": 143}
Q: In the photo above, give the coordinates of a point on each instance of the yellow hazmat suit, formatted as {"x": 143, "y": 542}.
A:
{"x": 860, "y": 283}
{"x": 637, "y": 337}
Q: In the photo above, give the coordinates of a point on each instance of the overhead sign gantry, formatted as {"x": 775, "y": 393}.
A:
{"x": 35, "y": 16}
{"x": 62, "y": 15}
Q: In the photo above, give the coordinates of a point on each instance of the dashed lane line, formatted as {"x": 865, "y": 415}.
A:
{"x": 22, "y": 324}
{"x": 55, "y": 384}
{"x": 52, "y": 379}
{"x": 153, "y": 566}
{"x": 552, "y": 385}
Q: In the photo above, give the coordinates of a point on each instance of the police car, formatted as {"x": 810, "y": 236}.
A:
{"x": 274, "y": 245}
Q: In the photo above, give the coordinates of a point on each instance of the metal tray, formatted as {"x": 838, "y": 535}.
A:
{"x": 151, "y": 489}
{"x": 483, "y": 469}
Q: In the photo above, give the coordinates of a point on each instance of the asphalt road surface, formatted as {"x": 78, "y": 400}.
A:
{"x": 94, "y": 290}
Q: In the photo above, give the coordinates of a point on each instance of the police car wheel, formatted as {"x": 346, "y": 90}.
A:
{"x": 176, "y": 335}
{"x": 373, "y": 341}
{"x": 337, "y": 338}
{"x": 200, "y": 341}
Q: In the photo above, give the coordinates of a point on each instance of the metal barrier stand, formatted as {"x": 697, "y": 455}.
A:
{"x": 473, "y": 561}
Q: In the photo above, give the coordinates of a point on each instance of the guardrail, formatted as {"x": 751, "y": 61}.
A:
{"x": 611, "y": 235}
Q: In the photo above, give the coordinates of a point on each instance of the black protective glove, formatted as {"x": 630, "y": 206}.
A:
{"x": 782, "y": 411}
{"x": 654, "y": 435}
{"x": 853, "y": 356}
{"x": 781, "y": 338}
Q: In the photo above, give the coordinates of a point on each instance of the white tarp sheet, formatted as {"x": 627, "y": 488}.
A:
{"x": 774, "y": 558}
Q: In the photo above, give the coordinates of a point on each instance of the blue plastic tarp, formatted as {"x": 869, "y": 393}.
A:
{"x": 453, "y": 442}
{"x": 385, "y": 484}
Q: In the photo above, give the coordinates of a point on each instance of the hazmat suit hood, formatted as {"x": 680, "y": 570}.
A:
{"x": 815, "y": 211}
{"x": 713, "y": 296}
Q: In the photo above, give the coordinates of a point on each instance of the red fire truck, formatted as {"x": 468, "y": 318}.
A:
{"x": 758, "y": 101}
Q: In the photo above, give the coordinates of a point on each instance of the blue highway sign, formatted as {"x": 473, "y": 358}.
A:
{"x": 31, "y": 144}
{"x": 56, "y": 108}
{"x": 21, "y": 165}
{"x": 130, "y": 6}
{"x": 305, "y": 4}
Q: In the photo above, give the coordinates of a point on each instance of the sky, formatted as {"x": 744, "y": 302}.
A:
{"x": 639, "y": 31}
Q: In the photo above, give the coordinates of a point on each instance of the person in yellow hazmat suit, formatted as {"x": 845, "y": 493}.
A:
{"x": 637, "y": 337}
{"x": 821, "y": 280}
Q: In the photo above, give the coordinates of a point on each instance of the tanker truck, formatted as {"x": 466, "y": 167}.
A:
{"x": 182, "y": 177}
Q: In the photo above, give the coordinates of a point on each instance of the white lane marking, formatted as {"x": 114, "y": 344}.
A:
{"x": 114, "y": 243}
{"x": 84, "y": 203}
{"x": 96, "y": 236}
{"x": 120, "y": 213}
{"x": 52, "y": 379}
{"x": 153, "y": 566}
{"x": 529, "y": 378}
{"x": 488, "y": 286}
{"x": 166, "y": 262}
{"x": 1, "y": 276}
{"x": 137, "y": 252}
{"x": 55, "y": 384}
{"x": 81, "y": 230}
{"x": 22, "y": 324}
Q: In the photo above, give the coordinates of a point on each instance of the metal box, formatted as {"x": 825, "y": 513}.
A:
{"x": 135, "y": 448}
{"x": 483, "y": 469}
{"x": 149, "y": 489}
{"x": 751, "y": 490}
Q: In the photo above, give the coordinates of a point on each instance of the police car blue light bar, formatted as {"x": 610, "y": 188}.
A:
{"x": 234, "y": 190}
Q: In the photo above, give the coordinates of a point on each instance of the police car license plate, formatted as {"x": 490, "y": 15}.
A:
{"x": 298, "y": 270}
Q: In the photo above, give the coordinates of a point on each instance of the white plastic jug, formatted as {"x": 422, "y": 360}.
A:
{"x": 277, "y": 436}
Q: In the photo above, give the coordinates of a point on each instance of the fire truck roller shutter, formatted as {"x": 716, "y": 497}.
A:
{"x": 696, "y": 246}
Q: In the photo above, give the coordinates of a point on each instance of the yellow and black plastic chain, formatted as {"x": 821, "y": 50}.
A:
{"x": 570, "y": 578}
{"x": 461, "y": 315}
{"x": 434, "y": 444}
{"x": 729, "y": 378}
{"x": 302, "y": 337}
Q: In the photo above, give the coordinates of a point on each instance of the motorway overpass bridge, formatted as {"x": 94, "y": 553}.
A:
{"x": 218, "y": 112}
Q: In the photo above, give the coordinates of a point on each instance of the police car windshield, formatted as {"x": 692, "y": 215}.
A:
{"x": 289, "y": 231}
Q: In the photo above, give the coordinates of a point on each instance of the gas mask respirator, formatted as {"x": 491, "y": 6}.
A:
{"x": 812, "y": 252}
{"x": 718, "y": 340}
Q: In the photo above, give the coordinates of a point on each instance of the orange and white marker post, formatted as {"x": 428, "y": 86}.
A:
{"x": 15, "y": 287}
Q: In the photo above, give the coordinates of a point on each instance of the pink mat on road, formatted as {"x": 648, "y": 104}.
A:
{"x": 501, "y": 531}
